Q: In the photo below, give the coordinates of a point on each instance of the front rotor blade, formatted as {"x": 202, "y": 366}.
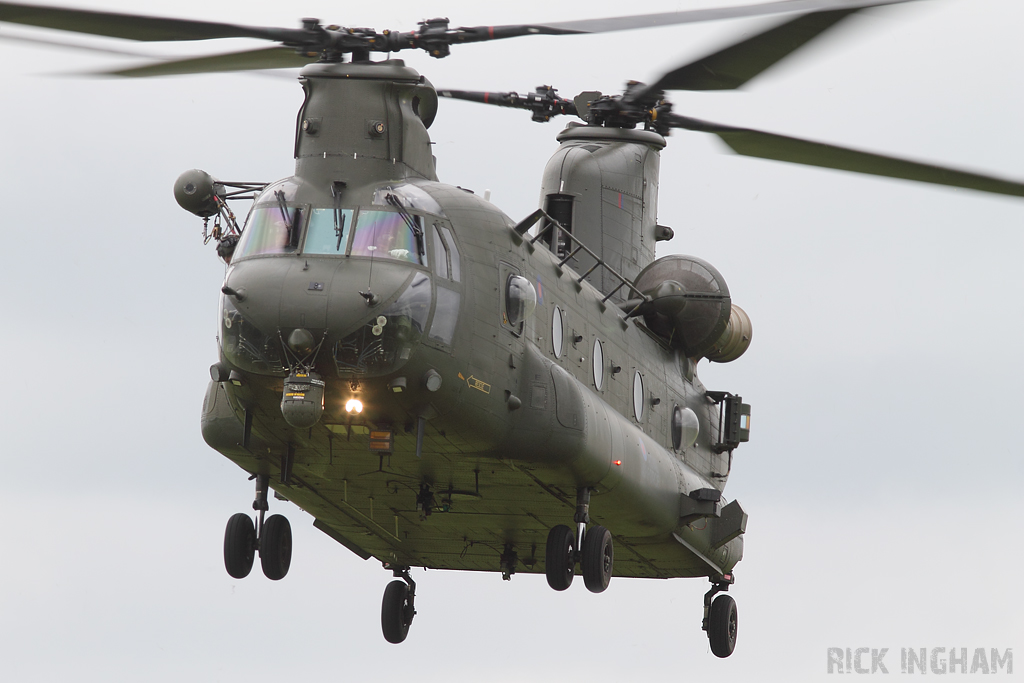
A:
{"x": 71, "y": 45}
{"x": 756, "y": 143}
{"x": 263, "y": 58}
{"x": 132, "y": 26}
{"x": 690, "y": 16}
{"x": 733, "y": 66}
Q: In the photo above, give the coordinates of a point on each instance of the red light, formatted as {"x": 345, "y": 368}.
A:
{"x": 618, "y": 462}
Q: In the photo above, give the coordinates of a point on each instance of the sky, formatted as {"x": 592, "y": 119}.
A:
{"x": 884, "y": 470}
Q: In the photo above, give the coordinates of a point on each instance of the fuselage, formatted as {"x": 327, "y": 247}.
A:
{"x": 494, "y": 382}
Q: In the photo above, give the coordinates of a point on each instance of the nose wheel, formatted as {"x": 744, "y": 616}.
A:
{"x": 560, "y": 557}
{"x": 275, "y": 545}
{"x": 271, "y": 538}
{"x": 239, "y": 545}
{"x": 597, "y": 558}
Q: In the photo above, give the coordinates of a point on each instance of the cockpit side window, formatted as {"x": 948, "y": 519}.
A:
{"x": 328, "y": 231}
{"x": 390, "y": 234}
{"x": 440, "y": 254}
{"x": 270, "y": 229}
{"x": 454, "y": 253}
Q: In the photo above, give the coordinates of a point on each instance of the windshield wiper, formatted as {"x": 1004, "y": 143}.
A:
{"x": 289, "y": 222}
{"x": 339, "y": 218}
{"x": 409, "y": 222}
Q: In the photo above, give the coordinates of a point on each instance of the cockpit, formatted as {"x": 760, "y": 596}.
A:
{"x": 394, "y": 227}
{"x": 394, "y": 234}
{"x": 404, "y": 225}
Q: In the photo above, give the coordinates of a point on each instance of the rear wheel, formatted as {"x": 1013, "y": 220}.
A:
{"x": 396, "y": 612}
{"x": 597, "y": 558}
{"x": 276, "y": 547}
{"x": 560, "y": 557}
{"x": 723, "y": 626}
{"x": 239, "y": 545}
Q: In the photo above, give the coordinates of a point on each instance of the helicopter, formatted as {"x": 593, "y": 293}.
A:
{"x": 395, "y": 426}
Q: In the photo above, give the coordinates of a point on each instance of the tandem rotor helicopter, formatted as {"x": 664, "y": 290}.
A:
{"x": 566, "y": 426}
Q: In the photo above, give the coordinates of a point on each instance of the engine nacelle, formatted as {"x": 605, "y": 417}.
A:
{"x": 690, "y": 306}
{"x": 196, "y": 192}
{"x": 735, "y": 340}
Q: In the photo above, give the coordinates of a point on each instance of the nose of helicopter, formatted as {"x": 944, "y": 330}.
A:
{"x": 325, "y": 294}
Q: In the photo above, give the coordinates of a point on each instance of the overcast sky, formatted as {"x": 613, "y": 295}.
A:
{"x": 884, "y": 471}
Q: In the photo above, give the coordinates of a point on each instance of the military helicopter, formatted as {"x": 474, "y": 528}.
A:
{"x": 348, "y": 385}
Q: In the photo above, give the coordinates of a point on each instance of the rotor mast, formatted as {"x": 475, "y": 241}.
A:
{"x": 364, "y": 122}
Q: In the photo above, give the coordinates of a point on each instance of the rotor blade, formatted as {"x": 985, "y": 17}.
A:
{"x": 501, "y": 99}
{"x": 756, "y": 143}
{"x": 733, "y": 66}
{"x": 690, "y": 16}
{"x": 133, "y": 26}
{"x": 71, "y": 45}
{"x": 543, "y": 102}
{"x": 262, "y": 58}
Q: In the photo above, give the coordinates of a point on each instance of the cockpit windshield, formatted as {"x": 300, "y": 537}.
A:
{"x": 270, "y": 229}
{"x": 410, "y": 196}
{"x": 277, "y": 228}
{"x": 391, "y": 235}
{"x": 328, "y": 231}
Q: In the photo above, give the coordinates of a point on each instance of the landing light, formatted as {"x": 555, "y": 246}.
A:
{"x": 354, "y": 405}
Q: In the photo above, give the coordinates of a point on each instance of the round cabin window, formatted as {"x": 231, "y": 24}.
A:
{"x": 598, "y": 363}
{"x": 556, "y": 332}
{"x": 677, "y": 427}
{"x": 638, "y": 396}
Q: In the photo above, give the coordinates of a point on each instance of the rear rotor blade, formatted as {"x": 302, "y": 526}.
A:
{"x": 500, "y": 99}
{"x": 733, "y": 66}
{"x": 756, "y": 143}
{"x": 544, "y": 101}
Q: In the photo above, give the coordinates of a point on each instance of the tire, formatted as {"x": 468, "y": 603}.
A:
{"x": 396, "y": 613}
{"x": 560, "y": 557}
{"x": 597, "y": 558}
{"x": 239, "y": 545}
{"x": 276, "y": 547}
{"x": 723, "y": 626}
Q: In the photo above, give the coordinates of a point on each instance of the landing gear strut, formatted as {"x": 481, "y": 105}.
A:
{"x": 592, "y": 548}
{"x": 720, "y": 618}
{"x": 272, "y": 538}
{"x": 398, "y": 607}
